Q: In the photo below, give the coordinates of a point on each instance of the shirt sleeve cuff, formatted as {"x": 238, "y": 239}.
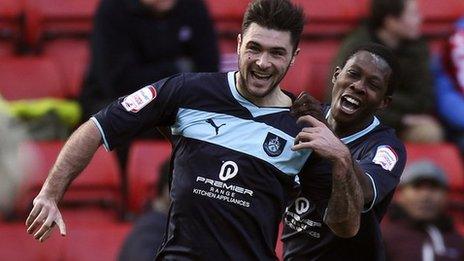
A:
{"x": 374, "y": 189}
{"x": 105, "y": 141}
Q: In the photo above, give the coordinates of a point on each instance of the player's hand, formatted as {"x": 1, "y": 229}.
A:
{"x": 305, "y": 104}
{"x": 43, "y": 217}
{"x": 320, "y": 139}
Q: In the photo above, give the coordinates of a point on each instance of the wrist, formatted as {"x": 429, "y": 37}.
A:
{"x": 343, "y": 158}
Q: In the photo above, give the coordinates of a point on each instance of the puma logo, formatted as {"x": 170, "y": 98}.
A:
{"x": 210, "y": 121}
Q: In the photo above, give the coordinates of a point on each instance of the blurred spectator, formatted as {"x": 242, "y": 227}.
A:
{"x": 11, "y": 165}
{"x": 148, "y": 230}
{"x": 396, "y": 24}
{"x": 419, "y": 229}
{"x": 449, "y": 84}
{"x": 137, "y": 42}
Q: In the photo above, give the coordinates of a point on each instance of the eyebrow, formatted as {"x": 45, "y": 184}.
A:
{"x": 371, "y": 76}
{"x": 274, "y": 48}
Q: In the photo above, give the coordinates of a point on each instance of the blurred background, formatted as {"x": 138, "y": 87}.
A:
{"x": 59, "y": 60}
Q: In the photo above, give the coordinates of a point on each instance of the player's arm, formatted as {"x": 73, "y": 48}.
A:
{"x": 73, "y": 158}
{"x": 347, "y": 199}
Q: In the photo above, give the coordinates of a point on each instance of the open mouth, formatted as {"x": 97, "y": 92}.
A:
{"x": 261, "y": 76}
{"x": 350, "y": 104}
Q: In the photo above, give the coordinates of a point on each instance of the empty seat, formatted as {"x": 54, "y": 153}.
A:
{"x": 98, "y": 184}
{"x": 440, "y": 16}
{"x": 72, "y": 58}
{"x": 29, "y": 77}
{"x": 6, "y": 48}
{"x": 311, "y": 69}
{"x": 16, "y": 244}
{"x": 50, "y": 18}
{"x": 444, "y": 155}
{"x": 95, "y": 242}
{"x": 10, "y": 19}
{"x": 145, "y": 160}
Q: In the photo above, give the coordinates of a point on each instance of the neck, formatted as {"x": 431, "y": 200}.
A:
{"x": 276, "y": 98}
{"x": 346, "y": 129}
{"x": 388, "y": 38}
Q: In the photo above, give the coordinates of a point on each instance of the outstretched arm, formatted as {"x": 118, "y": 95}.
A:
{"x": 73, "y": 158}
{"x": 346, "y": 201}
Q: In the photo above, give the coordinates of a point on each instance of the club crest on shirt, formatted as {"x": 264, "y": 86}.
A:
{"x": 274, "y": 145}
{"x": 386, "y": 157}
{"x": 139, "y": 99}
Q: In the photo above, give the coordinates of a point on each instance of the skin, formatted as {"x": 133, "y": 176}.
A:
{"x": 364, "y": 78}
{"x": 79, "y": 149}
{"x": 423, "y": 201}
{"x": 265, "y": 52}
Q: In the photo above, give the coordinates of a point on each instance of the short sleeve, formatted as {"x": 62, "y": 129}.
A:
{"x": 383, "y": 164}
{"x": 152, "y": 106}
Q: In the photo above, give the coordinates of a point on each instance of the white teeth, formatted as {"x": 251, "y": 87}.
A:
{"x": 261, "y": 75}
{"x": 352, "y": 100}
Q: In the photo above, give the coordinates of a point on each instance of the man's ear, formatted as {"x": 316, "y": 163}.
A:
{"x": 239, "y": 43}
{"x": 295, "y": 54}
{"x": 336, "y": 73}
{"x": 385, "y": 102}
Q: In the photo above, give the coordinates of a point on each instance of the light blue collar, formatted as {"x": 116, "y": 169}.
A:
{"x": 358, "y": 134}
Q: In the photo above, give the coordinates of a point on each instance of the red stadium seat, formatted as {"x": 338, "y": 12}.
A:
{"x": 145, "y": 160}
{"x": 6, "y": 49}
{"x": 29, "y": 77}
{"x": 311, "y": 69}
{"x": 439, "y": 16}
{"x": 332, "y": 18}
{"x": 97, "y": 184}
{"x": 95, "y": 242}
{"x": 16, "y": 244}
{"x": 72, "y": 58}
{"x": 50, "y": 18}
{"x": 10, "y": 19}
{"x": 444, "y": 155}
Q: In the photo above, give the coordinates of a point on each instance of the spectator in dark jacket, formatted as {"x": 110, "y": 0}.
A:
{"x": 138, "y": 42}
{"x": 419, "y": 229}
{"x": 396, "y": 24}
{"x": 148, "y": 231}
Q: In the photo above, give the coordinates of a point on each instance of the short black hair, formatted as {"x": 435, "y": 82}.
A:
{"x": 380, "y": 9}
{"x": 387, "y": 55}
{"x": 281, "y": 15}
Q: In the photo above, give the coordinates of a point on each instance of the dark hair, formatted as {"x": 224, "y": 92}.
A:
{"x": 380, "y": 9}
{"x": 279, "y": 15}
{"x": 163, "y": 180}
{"x": 387, "y": 55}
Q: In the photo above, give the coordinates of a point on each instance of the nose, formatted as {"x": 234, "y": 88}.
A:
{"x": 263, "y": 61}
{"x": 359, "y": 87}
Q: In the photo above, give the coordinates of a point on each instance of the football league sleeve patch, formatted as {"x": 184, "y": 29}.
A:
{"x": 152, "y": 106}
{"x": 383, "y": 165}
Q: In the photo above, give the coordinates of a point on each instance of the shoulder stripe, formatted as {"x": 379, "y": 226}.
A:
{"x": 245, "y": 136}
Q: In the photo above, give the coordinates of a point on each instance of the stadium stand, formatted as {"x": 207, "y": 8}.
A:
{"x": 311, "y": 69}
{"x": 30, "y": 77}
{"x": 445, "y": 155}
{"x": 11, "y": 12}
{"x": 145, "y": 159}
{"x": 71, "y": 56}
{"x": 90, "y": 242}
{"x": 45, "y": 19}
{"x": 98, "y": 185}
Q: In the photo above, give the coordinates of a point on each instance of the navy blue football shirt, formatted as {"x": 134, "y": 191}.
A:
{"x": 233, "y": 167}
{"x": 382, "y": 156}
